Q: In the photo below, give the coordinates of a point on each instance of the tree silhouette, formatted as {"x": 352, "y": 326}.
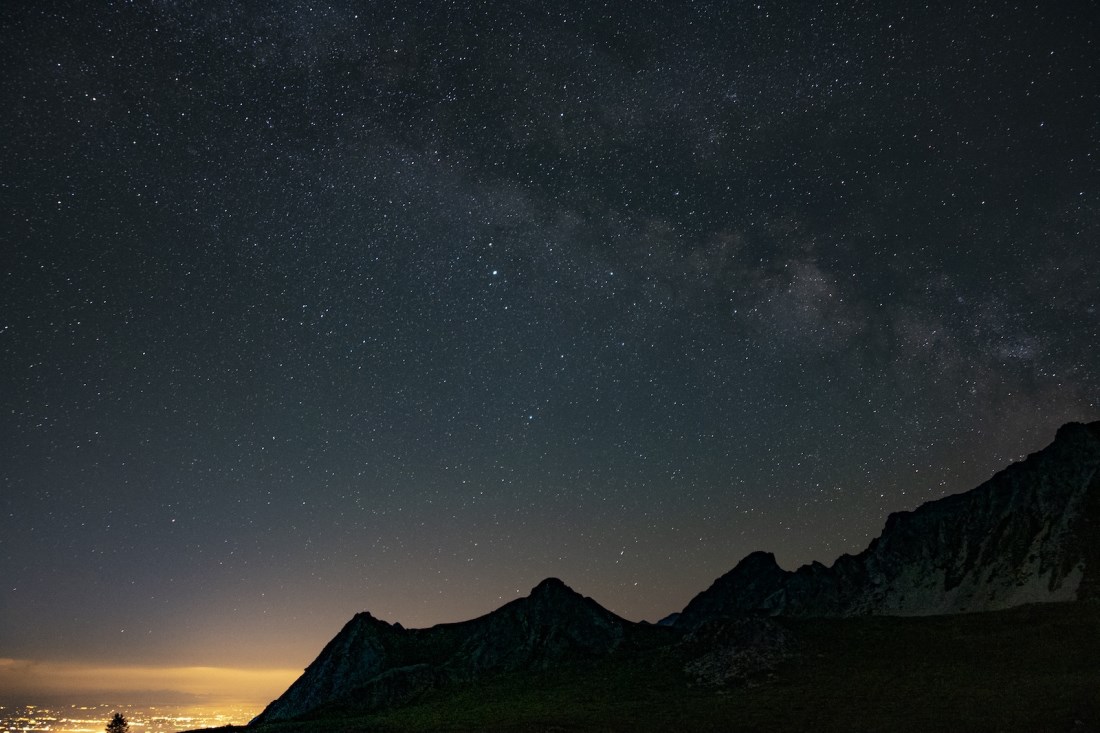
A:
{"x": 118, "y": 724}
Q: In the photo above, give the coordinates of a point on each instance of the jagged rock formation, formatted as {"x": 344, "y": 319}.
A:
{"x": 371, "y": 664}
{"x": 1029, "y": 534}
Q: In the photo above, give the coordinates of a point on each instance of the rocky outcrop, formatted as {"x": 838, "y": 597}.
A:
{"x": 727, "y": 651}
{"x": 1029, "y": 534}
{"x": 372, "y": 665}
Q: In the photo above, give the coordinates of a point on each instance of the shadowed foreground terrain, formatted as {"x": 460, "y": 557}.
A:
{"x": 1032, "y": 668}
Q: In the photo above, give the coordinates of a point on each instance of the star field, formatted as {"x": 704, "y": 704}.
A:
{"x": 313, "y": 308}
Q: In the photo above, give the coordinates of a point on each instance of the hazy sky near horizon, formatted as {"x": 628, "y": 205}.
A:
{"x": 112, "y": 680}
{"x": 313, "y": 308}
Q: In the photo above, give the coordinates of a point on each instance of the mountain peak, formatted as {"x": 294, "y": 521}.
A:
{"x": 743, "y": 590}
{"x": 552, "y": 596}
{"x": 366, "y": 618}
{"x": 551, "y": 585}
{"x": 1071, "y": 429}
{"x": 757, "y": 561}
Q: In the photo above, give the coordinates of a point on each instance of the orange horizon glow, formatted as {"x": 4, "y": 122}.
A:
{"x": 31, "y": 679}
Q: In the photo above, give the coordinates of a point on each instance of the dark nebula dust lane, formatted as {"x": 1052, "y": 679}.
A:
{"x": 311, "y": 308}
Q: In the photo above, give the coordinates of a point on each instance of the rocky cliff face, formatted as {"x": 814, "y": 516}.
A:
{"x": 364, "y": 650}
{"x": 371, "y": 665}
{"x": 1031, "y": 533}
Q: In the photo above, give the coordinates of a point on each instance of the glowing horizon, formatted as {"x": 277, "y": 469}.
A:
{"x": 29, "y": 679}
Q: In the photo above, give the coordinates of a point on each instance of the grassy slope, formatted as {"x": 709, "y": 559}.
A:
{"x": 1034, "y": 668}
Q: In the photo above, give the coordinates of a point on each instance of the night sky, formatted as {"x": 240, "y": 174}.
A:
{"x": 314, "y": 308}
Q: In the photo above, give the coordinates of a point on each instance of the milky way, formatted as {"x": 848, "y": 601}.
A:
{"x": 311, "y": 308}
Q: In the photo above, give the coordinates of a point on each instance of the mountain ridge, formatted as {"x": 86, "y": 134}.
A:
{"x": 1021, "y": 536}
{"x": 371, "y": 664}
{"x": 1031, "y": 533}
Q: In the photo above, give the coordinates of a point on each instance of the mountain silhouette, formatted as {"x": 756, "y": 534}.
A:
{"x": 1029, "y": 534}
{"x": 372, "y": 665}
